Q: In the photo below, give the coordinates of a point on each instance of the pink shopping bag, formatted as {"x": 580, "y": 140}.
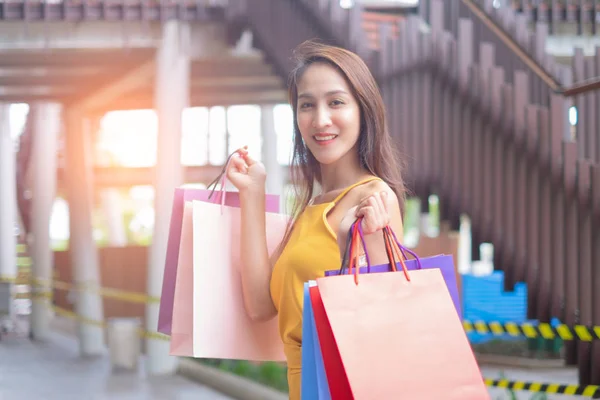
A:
{"x": 182, "y": 328}
{"x": 221, "y": 326}
{"x": 225, "y": 198}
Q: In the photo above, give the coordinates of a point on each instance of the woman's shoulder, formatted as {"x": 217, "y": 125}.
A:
{"x": 374, "y": 186}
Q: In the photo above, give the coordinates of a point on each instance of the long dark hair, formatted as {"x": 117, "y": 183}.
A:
{"x": 377, "y": 153}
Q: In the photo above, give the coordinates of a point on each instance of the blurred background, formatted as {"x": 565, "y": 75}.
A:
{"x": 107, "y": 106}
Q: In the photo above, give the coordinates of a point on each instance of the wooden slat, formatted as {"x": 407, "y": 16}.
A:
{"x": 426, "y": 116}
{"x": 500, "y": 212}
{"x": 584, "y": 251}
{"x": 558, "y": 205}
{"x": 471, "y": 177}
{"x": 521, "y": 101}
{"x": 583, "y": 141}
{"x": 590, "y": 115}
{"x": 596, "y": 103}
{"x": 448, "y": 149}
{"x": 532, "y": 210}
{"x": 595, "y": 180}
{"x": 465, "y": 59}
{"x": 508, "y": 250}
{"x": 405, "y": 102}
{"x": 474, "y": 179}
{"x": 595, "y": 207}
{"x": 545, "y": 226}
{"x": 571, "y": 237}
{"x": 398, "y": 111}
{"x": 438, "y": 104}
{"x": 414, "y": 93}
{"x": 455, "y": 137}
{"x": 492, "y": 85}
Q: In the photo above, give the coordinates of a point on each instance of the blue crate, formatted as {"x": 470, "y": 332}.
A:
{"x": 484, "y": 299}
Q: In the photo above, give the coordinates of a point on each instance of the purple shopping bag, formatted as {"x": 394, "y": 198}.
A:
{"x": 226, "y": 198}
{"x": 443, "y": 262}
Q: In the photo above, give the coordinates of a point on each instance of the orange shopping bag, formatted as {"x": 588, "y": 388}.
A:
{"x": 397, "y": 336}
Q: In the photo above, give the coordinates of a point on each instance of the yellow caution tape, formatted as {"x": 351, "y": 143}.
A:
{"x": 589, "y": 391}
{"x": 73, "y": 315}
{"x": 543, "y": 330}
{"x": 111, "y": 293}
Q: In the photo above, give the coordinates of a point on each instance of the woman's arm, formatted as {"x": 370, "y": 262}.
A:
{"x": 249, "y": 177}
{"x": 256, "y": 265}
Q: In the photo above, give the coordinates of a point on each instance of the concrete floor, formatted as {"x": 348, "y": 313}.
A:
{"x": 54, "y": 370}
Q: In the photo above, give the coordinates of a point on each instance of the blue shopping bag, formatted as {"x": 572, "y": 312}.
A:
{"x": 314, "y": 380}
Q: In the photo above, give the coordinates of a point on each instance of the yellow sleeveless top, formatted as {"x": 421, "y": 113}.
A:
{"x": 311, "y": 250}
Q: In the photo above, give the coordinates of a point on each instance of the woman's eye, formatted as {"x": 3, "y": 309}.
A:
{"x": 337, "y": 102}
{"x": 305, "y": 105}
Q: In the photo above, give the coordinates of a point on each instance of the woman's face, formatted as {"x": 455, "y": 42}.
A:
{"x": 328, "y": 115}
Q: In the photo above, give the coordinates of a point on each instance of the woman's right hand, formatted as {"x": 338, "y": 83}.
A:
{"x": 245, "y": 173}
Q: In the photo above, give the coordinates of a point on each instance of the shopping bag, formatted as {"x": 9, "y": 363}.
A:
{"x": 442, "y": 262}
{"x": 221, "y": 326}
{"x": 396, "y": 335}
{"x": 314, "y": 380}
{"x": 336, "y": 375}
{"x": 182, "y": 328}
{"x": 182, "y": 195}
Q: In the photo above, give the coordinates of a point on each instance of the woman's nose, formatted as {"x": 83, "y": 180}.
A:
{"x": 322, "y": 118}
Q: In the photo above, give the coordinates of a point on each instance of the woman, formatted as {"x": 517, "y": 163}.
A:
{"x": 342, "y": 143}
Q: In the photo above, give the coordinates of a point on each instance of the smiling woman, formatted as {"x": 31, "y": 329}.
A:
{"x": 341, "y": 143}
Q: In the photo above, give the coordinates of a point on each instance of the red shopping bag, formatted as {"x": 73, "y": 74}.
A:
{"x": 395, "y": 335}
{"x": 336, "y": 375}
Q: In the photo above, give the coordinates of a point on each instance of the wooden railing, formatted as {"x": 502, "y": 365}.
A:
{"x": 584, "y": 14}
{"x": 372, "y": 23}
{"x": 106, "y": 10}
{"x": 501, "y": 148}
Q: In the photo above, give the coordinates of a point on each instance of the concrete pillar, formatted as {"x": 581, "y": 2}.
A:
{"x": 46, "y": 128}
{"x": 113, "y": 210}
{"x": 171, "y": 97}
{"x": 275, "y": 173}
{"x": 8, "y": 204}
{"x": 82, "y": 248}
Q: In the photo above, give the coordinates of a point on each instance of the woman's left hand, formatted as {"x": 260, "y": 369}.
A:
{"x": 374, "y": 212}
{"x": 378, "y": 210}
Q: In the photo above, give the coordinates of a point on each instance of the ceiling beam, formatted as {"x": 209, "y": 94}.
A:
{"x": 236, "y": 82}
{"x": 230, "y": 98}
{"x": 31, "y": 98}
{"x": 98, "y": 58}
{"x": 18, "y": 35}
{"x": 126, "y": 177}
{"x": 230, "y": 66}
{"x": 228, "y": 84}
{"x": 107, "y": 94}
{"x": 51, "y": 76}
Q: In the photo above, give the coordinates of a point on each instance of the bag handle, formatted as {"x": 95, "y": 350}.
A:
{"x": 405, "y": 250}
{"x": 348, "y": 249}
{"x": 402, "y": 249}
{"x": 221, "y": 177}
{"x": 390, "y": 245}
{"x": 349, "y": 255}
